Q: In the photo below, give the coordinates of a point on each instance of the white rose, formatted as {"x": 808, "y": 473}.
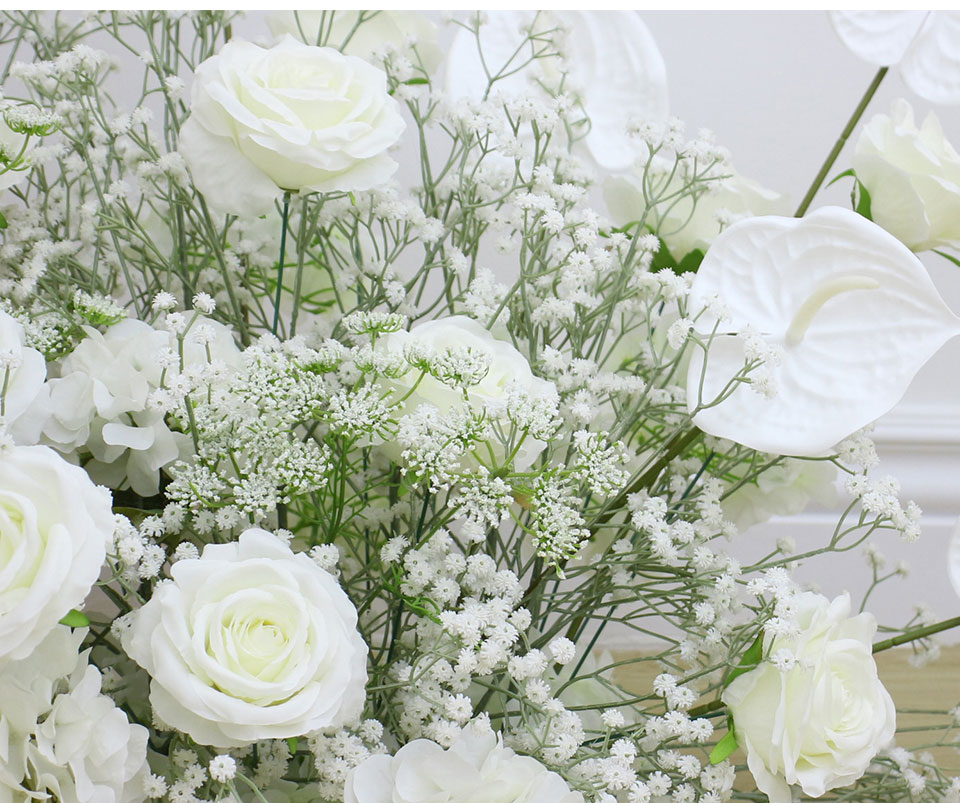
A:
{"x": 913, "y": 177}
{"x": 508, "y": 370}
{"x": 291, "y": 117}
{"x": 22, "y": 372}
{"x": 248, "y": 642}
{"x": 820, "y": 723}
{"x": 409, "y": 33}
{"x": 54, "y": 528}
{"x": 476, "y": 769}
{"x": 685, "y": 225}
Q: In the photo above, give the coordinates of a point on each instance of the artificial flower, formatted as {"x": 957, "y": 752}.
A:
{"x": 410, "y": 34}
{"x": 843, "y": 314}
{"x": 459, "y": 337}
{"x": 924, "y": 44}
{"x": 250, "y": 641}
{"x": 818, "y": 718}
{"x": 293, "y": 118}
{"x": 686, "y": 224}
{"x": 913, "y": 177}
{"x": 55, "y": 525}
{"x": 22, "y": 373}
{"x": 477, "y": 768}
{"x": 101, "y": 401}
{"x": 612, "y": 61}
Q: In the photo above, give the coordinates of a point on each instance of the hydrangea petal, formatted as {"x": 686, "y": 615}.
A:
{"x": 860, "y": 351}
{"x": 623, "y": 76}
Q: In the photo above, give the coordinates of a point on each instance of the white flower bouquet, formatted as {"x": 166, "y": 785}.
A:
{"x": 358, "y": 379}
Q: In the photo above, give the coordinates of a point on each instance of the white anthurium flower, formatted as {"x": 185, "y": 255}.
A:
{"x": 913, "y": 177}
{"x": 924, "y": 44}
{"x": 849, "y": 309}
{"x": 411, "y": 34}
{"x": 818, "y": 718}
{"x": 611, "y": 59}
{"x": 686, "y": 225}
{"x": 292, "y": 117}
{"x": 477, "y": 768}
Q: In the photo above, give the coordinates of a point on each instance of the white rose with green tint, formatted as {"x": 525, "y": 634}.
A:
{"x": 250, "y": 641}
{"x": 818, "y": 719}
{"x": 913, "y": 176}
{"x": 291, "y": 117}
{"x": 55, "y": 525}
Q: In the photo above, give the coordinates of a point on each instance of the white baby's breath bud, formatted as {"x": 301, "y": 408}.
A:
{"x": 563, "y": 650}
{"x": 223, "y": 768}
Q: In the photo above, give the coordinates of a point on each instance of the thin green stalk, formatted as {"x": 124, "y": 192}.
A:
{"x": 283, "y": 248}
{"x": 838, "y": 145}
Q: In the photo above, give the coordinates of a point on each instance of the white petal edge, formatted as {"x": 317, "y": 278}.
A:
{"x": 860, "y": 352}
{"x": 244, "y": 190}
{"x": 878, "y": 37}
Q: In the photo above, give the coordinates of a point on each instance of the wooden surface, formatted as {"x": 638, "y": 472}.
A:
{"x": 933, "y": 687}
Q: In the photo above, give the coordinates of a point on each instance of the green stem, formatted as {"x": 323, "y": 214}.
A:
{"x": 283, "y": 248}
{"x": 913, "y": 635}
{"x": 838, "y": 145}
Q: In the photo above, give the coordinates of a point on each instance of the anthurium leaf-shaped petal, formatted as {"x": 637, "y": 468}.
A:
{"x": 616, "y": 60}
{"x": 851, "y": 309}
{"x": 501, "y": 39}
{"x": 611, "y": 57}
{"x": 878, "y": 37}
{"x": 931, "y": 66}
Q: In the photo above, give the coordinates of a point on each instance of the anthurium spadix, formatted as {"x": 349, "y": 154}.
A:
{"x": 849, "y": 309}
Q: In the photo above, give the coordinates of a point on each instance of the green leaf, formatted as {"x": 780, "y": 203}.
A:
{"x": 839, "y": 176}
{"x": 691, "y": 262}
{"x": 862, "y": 205}
{"x": 724, "y": 747}
{"x": 416, "y": 81}
{"x": 662, "y": 259}
{"x": 3, "y": 221}
{"x": 749, "y": 661}
{"x": 292, "y": 744}
{"x": 75, "y": 618}
{"x": 946, "y": 256}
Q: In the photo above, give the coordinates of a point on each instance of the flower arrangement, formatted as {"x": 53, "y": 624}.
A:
{"x": 354, "y": 382}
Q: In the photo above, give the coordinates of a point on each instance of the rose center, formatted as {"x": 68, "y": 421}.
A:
{"x": 815, "y": 301}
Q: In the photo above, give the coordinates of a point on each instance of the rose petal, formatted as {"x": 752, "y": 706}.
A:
{"x": 229, "y": 181}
